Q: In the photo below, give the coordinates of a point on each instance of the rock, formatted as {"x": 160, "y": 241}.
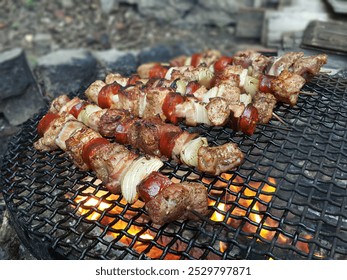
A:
{"x": 19, "y": 93}
{"x": 115, "y": 60}
{"x": 68, "y": 4}
{"x": 162, "y": 53}
{"x": 170, "y": 11}
{"x": 17, "y": 110}
{"x": 218, "y": 13}
{"x": 14, "y": 72}
{"x": 65, "y": 71}
{"x": 107, "y": 6}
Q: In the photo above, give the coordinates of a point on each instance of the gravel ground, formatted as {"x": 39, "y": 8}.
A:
{"x": 40, "y": 27}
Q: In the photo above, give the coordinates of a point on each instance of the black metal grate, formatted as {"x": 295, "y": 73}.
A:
{"x": 287, "y": 201}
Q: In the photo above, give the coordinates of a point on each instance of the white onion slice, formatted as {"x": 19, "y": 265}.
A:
{"x": 273, "y": 70}
{"x": 84, "y": 115}
{"x": 205, "y": 77}
{"x": 251, "y": 85}
{"x": 65, "y": 133}
{"x": 245, "y": 99}
{"x": 114, "y": 99}
{"x": 142, "y": 104}
{"x": 213, "y": 92}
{"x": 188, "y": 61}
{"x": 138, "y": 170}
{"x": 201, "y": 115}
{"x": 169, "y": 72}
{"x": 243, "y": 76}
{"x": 181, "y": 87}
{"x": 189, "y": 153}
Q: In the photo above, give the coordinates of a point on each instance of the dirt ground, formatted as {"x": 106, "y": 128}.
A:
{"x": 40, "y": 27}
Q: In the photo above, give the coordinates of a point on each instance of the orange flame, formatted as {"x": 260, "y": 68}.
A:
{"x": 246, "y": 203}
{"x": 241, "y": 200}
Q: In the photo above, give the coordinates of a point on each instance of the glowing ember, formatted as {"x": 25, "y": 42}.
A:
{"x": 249, "y": 200}
{"x": 240, "y": 200}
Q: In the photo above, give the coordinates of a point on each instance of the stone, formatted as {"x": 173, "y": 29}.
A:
{"x": 19, "y": 109}
{"x": 114, "y": 60}
{"x": 65, "y": 71}
{"x": 14, "y": 72}
{"x": 250, "y": 23}
{"x": 107, "y": 6}
{"x": 170, "y": 11}
{"x": 19, "y": 93}
{"x": 162, "y": 53}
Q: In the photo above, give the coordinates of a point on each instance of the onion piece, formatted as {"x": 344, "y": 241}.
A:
{"x": 169, "y": 72}
{"x": 84, "y": 115}
{"x": 181, "y": 87}
{"x": 188, "y": 61}
{"x": 213, "y": 92}
{"x": 245, "y": 99}
{"x": 142, "y": 104}
{"x": 189, "y": 153}
{"x": 243, "y": 76}
{"x": 138, "y": 170}
{"x": 114, "y": 99}
{"x": 199, "y": 113}
{"x": 65, "y": 133}
{"x": 251, "y": 85}
{"x": 205, "y": 77}
{"x": 275, "y": 70}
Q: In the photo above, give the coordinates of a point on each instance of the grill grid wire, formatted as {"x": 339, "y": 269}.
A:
{"x": 304, "y": 216}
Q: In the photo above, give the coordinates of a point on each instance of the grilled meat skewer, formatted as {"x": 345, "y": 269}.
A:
{"x": 294, "y": 62}
{"x": 152, "y": 136}
{"x": 121, "y": 170}
{"x": 147, "y": 101}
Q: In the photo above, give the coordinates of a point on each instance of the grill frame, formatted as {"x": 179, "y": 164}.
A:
{"x": 308, "y": 200}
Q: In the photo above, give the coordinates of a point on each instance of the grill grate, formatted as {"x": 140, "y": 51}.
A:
{"x": 287, "y": 201}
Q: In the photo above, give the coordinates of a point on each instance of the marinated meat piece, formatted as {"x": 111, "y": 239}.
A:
{"x": 110, "y": 162}
{"x": 47, "y": 142}
{"x": 148, "y": 134}
{"x": 58, "y": 103}
{"x": 94, "y": 119}
{"x": 201, "y": 74}
{"x": 230, "y": 75}
{"x": 264, "y": 102}
{"x": 284, "y": 62}
{"x": 144, "y": 135}
{"x": 309, "y": 66}
{"x": 129, "y": 99}
{"x": 256, "y": 60}
{"x": 110, "y": 120}
{"x": 74, "y": 145}
{"x": 218, "y": 111}
{"x": 178, "y": 61}
{"x": 116, "y": 77}
{"x": 229, "y": 92}
{"x": 216, "y": 160}
{"x": 198, "y": 201}
{"x": 154, "y": 101}
{"x": 209, "y": 57}
{"x": 287, "y": 86}
{"x": 175, "y": 201}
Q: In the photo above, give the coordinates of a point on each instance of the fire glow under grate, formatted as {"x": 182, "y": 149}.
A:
{"x": 288, "y": 200}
